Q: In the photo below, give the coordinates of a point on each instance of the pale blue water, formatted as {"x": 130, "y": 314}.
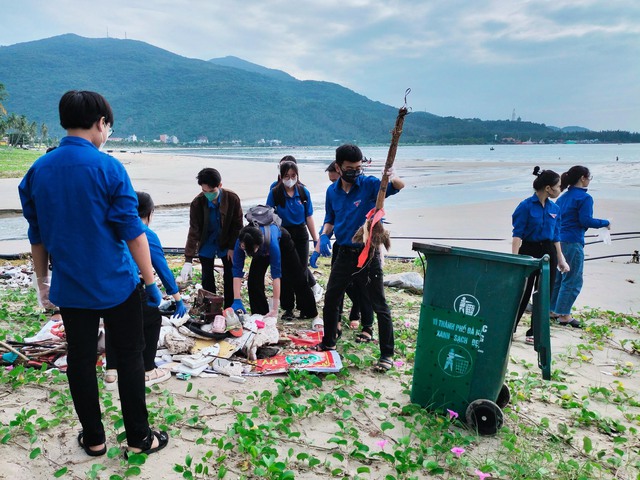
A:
{"x": 615, "y": 167}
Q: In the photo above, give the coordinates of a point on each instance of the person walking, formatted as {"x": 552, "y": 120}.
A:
{"x": 292, "y": 203}
{"x": 152, "y": 318}
{"x": 215, "y": 219}
{"x": 536, "y": 232}
{"x": 90, "y": 232}
{"x": 576, "y": 210}
{"x": 348, "y": 201}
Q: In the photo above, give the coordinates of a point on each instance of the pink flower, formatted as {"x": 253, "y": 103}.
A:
{"x": 452, "y": 414}
{"x": 458, "y": 451}
{"x": 398, "y": 363}
{"x": 407, "y": 324}
{"x": 482, "y": 475}
{"x": 381, "y": 443}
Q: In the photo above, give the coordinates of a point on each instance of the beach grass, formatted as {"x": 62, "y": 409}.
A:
{"x": 14, "y": 162}
{"x": 354, "y": 424}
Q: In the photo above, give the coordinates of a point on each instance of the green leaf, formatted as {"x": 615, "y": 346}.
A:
{"x": 587, "y": 445}
{"x": 60, "y": 472}
{"x": 386, "y": 426}
{"x": 35, "y": 452}
{"x": 363, "y": 470}
{"x": 338, "y": 456}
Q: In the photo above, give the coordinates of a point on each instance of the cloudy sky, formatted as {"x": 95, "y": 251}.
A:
{"x": 560, "y": 62}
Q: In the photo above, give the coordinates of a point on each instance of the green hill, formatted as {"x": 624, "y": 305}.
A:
{"x": 153, "y": 92}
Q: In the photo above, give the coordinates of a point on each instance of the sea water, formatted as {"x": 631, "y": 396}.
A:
{"x": 437, "y": 175}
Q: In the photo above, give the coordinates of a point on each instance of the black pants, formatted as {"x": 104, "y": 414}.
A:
{"x": 368, "y": 280}
{"x": 123, "y": 325}
{"x": 536, "y": 250}
{"x": 209, "y": 281}
{"x": 151, "y": 323}
{"x": 294, "y": 285}
{"x": 300, "y": 237}
{"x": 359, "y": 310}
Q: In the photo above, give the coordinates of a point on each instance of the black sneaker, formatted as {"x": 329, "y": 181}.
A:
{"x": 287, "y": 315}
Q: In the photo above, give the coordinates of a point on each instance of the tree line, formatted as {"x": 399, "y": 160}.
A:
{"x": 18, "y": 129}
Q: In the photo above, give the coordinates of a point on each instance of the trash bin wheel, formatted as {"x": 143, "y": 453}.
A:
{"x": 504, "y": 397}
{"x": 484, "y": 416}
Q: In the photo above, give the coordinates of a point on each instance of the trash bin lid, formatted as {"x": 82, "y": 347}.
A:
{"x": 437, "y": 249}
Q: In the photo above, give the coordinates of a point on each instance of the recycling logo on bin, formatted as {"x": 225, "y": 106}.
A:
{"x": 467, "y": 304}
{"x": 455, "y": 360}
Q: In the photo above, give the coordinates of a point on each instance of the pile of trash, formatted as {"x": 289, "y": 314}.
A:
{"x": 208, "y": 341}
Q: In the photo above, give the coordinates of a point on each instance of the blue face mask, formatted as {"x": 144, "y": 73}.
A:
{"x": 211, "y": 196}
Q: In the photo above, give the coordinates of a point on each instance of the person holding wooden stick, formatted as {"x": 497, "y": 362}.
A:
{"x": 348, "y": 202}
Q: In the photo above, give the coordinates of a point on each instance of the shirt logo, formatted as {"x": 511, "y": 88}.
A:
{"x": 553, "y": 215}
{"x": 357, "y": 203}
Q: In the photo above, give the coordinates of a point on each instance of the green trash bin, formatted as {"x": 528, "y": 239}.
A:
{"x": 467, "y": 317}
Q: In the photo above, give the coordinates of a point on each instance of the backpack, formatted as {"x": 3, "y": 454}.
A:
{"x": 263, "y": 216}
{"x": 279, "y": 193}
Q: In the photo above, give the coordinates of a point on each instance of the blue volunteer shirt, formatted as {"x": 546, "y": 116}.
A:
{"x": 294, "y": 211}
{"x": 348, "y": 211}
{"x": 534, "y": 223}
{"x": 576, "y": 208}
{"x": 210, "y": 248}
{"x": 80, "y": 205}
{"x": 159, "y": 262}
{"x": 273, "y": 252}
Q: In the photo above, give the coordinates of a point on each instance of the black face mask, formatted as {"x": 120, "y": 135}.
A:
{"x": 350, "y": 176}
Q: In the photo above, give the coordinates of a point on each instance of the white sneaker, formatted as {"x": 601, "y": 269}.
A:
{"x": 110, "y": 379}
{"x": 156, "y": 375}
{"x": 318, "y": 291}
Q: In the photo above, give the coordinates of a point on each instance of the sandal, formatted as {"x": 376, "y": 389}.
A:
{"x": 573, "y": 323}
{"x": 110, "y": 379}
{"x": 365, "y": 336}
{"x": 146, "y": 446}
{"x": 323, "y": 348}
{"x": 156, "y": 375}
{"x": 384, "y": 365}
{"x": 87, "y": 449}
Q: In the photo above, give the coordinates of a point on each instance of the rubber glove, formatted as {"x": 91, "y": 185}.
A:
{"x": 44, "y": 283}
{"x": 237, "y": 305}
{"x": 313, "y": 261}
{"x": 187, "y": 272}
{"x": 325, "y": 245}
{"x": 154, "y": 297}
{"x": 181, "y": 309}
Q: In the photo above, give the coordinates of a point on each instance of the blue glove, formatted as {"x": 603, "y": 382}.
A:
{"x": 181, "y": 309}
{"x": 237, "y": 305}
{"x": 313, "y": 261}
{"x": 325, "y": 245}
{"x": 154, "y": 297}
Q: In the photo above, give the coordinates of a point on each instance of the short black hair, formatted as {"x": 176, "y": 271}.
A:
{"x": 145, "y": 204}
{"x": 288, "y": 158}
{"x": 209, "y": 176}
{"x": 251, "y": 237}
{"x": 81, "y": 109}
{"x": 348, "y": 153}
{"x": 331, "y": 167}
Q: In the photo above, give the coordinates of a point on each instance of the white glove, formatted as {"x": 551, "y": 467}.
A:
{"x": 390, "y": 173}
{"x": 187, "y": 272}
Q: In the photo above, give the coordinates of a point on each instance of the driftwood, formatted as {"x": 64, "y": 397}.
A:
{"x": 372, "y": 233}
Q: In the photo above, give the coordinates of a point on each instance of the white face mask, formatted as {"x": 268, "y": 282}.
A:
{"x": 290, "y": 182}
{"x": 104, "y": 141}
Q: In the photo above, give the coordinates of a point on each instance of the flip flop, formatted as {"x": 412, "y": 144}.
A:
{"x": 384, "y": 365}
{"x": 573, "y": 323}
{"x": 364, "y": 337}
{"x": 322, "y": 348}
{"x": 87, "y": 450}
{"x": 163, "y": 440}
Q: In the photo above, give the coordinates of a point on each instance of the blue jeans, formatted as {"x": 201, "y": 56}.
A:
{"x": 567, "y": 285}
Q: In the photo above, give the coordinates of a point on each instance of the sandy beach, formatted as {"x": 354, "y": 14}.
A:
{"x": 611, "y": 284}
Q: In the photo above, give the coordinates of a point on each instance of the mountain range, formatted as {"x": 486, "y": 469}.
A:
{"x": 153, "y": 92}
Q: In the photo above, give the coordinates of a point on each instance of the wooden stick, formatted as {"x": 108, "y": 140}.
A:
{"x": 11, "y": 349}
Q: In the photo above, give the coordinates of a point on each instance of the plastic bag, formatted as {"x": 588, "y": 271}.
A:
{"x": 604, "y": 235}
